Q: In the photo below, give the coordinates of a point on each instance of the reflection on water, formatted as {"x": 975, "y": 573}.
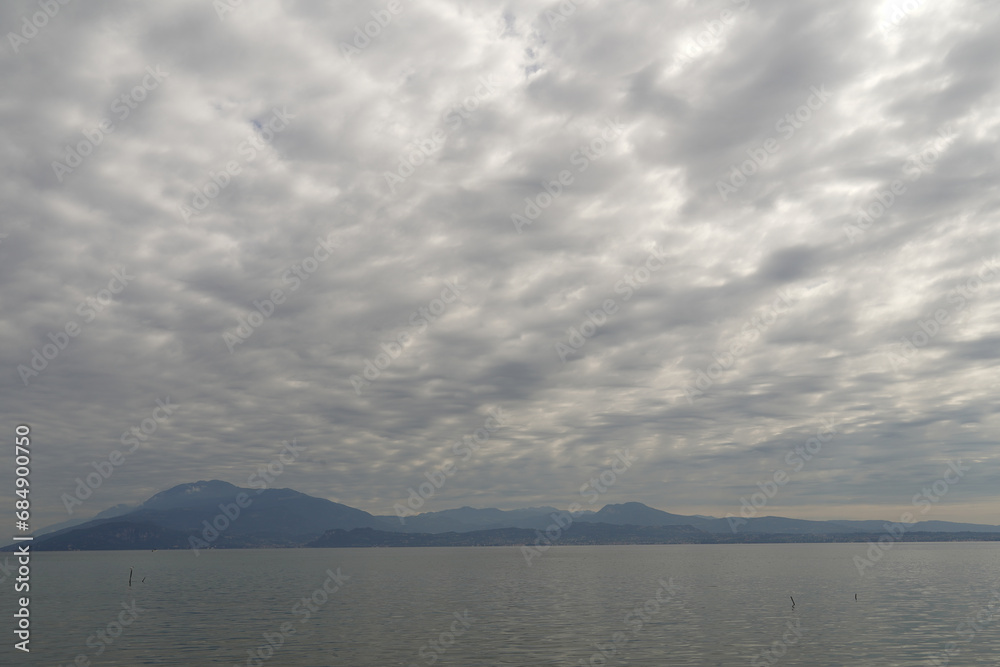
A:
{"x": 614, "y": 605}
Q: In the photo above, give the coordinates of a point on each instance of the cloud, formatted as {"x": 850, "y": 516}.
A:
{"x": 689, "y": 116}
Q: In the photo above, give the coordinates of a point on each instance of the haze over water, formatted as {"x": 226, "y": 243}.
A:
{"x": 718, "y": 605}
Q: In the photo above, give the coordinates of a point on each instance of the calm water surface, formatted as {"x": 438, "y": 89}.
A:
{"x": 728, "y": 604}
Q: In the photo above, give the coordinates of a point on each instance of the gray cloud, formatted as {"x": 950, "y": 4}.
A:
{"x": 853, "y": 296}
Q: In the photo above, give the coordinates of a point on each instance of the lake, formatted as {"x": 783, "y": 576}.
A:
{"x": 586, "y": 605}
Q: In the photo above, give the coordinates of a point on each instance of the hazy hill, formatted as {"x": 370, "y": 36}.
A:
{"x": 273, "y": 516}
{"x": 287, "y": 518}
{"x": 465, "y": 519}
{"x": 109, "y": 513}
{"x": 577, "y": 533}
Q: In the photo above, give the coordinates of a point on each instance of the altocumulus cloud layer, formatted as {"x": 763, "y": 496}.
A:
{"x": 692, "y": 230}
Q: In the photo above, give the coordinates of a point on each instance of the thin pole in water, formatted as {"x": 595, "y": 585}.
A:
{"x": 793, "y": 601}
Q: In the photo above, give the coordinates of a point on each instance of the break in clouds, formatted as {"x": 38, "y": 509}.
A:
{"x": 701, "y": 232}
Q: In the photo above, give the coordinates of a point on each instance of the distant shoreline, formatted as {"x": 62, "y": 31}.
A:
{"x": 124, "y": 536}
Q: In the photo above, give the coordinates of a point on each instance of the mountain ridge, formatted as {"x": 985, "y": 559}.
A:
{"x": 215, "y": 513}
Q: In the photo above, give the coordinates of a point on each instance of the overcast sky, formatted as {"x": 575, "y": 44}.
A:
{"x": 506, "y": 167}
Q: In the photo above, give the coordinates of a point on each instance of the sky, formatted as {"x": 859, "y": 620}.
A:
{"x": 502, "y": 248}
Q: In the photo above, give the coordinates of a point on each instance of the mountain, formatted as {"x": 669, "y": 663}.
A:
{"x": 283, "y": 515}
{"x": 466, "y": 519}
{"x": 926, "y": 526}
{"x": 109, "y": 513}
{"x": 777, "y": 524}
{"x": 637, "y": 514}
{"x": 575, "y": 534}
{"x": 589, "y": 533}
{"x": 188, "y": 496}
{"x": 217, "y": 514}
{"x": 115, "y": 536}
{"x": 268, "y": 517}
